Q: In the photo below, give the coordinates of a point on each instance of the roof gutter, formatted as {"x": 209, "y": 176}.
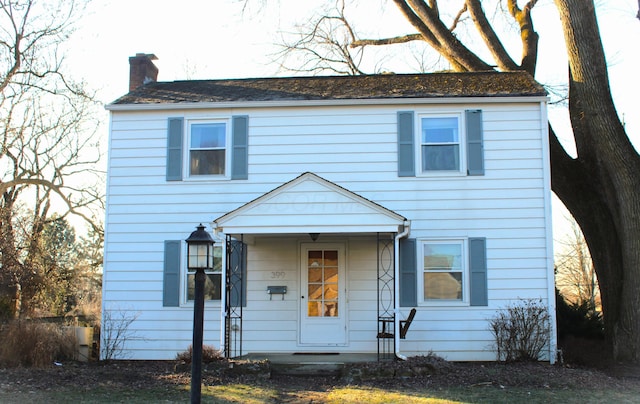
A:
{"x": 396, "y": 281}
{"x": 319, "y": 103}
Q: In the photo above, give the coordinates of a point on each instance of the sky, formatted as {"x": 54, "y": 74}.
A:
{"x": 204, "y": 39}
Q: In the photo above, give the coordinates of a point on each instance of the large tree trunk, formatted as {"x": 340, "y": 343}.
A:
{"x": 600, "y": 188}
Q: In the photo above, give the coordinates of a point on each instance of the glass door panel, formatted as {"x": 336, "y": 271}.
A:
{"x": 322, "y": 278}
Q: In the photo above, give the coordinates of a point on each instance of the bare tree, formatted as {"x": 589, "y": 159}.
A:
{"x": 325, "y": 46}
{"x": 575, "y": 276}
{"x": 600, "y": 185}
{"x": 48, "y": 139}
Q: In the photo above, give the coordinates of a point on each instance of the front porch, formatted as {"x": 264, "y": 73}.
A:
{"x": 311, "y": 268}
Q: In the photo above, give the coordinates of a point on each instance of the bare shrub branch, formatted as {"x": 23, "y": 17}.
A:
{"x": 115, "y": 332}
{"x": 521, "y": 331}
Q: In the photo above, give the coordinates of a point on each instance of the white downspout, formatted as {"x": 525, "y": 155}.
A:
{"x": 396, "y": 282}
{"x": 219, "y": 235}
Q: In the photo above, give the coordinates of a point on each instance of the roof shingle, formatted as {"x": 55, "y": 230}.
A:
{"x": 385, "y": 86}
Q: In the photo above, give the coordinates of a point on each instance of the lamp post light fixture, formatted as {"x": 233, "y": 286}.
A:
{"x": 199, "y": 257}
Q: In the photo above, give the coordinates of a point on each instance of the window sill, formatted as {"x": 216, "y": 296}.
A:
{"x": 207, "y": 303}
{"x": 204, "y": 178}
{"x": 445, "y": 303}
{"x": 441, "y": 174}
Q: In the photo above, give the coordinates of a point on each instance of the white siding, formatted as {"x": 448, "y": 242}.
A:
{"x": 354, "y": 147}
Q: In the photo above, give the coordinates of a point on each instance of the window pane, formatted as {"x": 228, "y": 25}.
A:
{"x": 315, "y": 258}
{"x": 440, "y": 157}
{"x": 331, "y": 275}
{"x": 207, "y": 162}
{"x": 331, "y": 292}
{"x": 443, "y": 257}
{"x": 217, "y": 257}
{"x": 443, "y": 286}
{"x": 331, "y": 258}
{"x": 440, "y": 130}
{"x": 208, "y": 135}
{"x": 443, "y": 271}
{"x": 315, "y": 291}
{"x": 313, "y": 309}
{"x": 331, "y": 309}
{"x": 212, "y": 286}
{"x": 315, "y": 274}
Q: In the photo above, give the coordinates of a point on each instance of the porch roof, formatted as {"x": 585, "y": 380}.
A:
{"x": 309, "y": 204}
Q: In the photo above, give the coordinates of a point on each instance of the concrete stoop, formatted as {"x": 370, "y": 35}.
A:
{"x": 308, "y": 369}
{"x": 303, "y": 365}
{"x": 307, "y": 364}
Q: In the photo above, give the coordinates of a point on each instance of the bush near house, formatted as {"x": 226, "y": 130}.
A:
{"x": 521, "y": 331}
{"x": 34, "y": 344}
{"x": 209, "y": 354}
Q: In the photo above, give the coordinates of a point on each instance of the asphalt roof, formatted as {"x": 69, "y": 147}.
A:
{"x": 383, "y": 86}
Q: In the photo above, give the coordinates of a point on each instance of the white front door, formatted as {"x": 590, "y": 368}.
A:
{"x": 322, "y": 299}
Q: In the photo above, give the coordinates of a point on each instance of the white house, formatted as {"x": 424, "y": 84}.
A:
{"x": 338, "y": 204}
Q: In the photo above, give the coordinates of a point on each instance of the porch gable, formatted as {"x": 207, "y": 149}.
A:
{"x": 309, "y": 204}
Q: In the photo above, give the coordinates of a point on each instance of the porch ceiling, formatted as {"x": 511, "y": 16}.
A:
{"x": 309, "y": 204}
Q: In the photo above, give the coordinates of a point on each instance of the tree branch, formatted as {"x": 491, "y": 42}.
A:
{"x": 489, "y": 36}
{"x": 323, "y": 49}
{"x": 417, "y": 23}
{"x": 387, "y": 41}
{"x": 528, "y": 35}
{"x": 448, "y": 45}
{"x": 458, "y": 17}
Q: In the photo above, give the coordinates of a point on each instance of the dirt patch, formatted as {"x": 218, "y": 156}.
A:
{"x": 434, "y": 372}
{"x": 419, "y": 371}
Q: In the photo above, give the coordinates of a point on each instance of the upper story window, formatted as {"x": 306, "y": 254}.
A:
{"x": 208, "y": 148}
{"x": 215, "y": 149}
{"x": 440, "y": 144}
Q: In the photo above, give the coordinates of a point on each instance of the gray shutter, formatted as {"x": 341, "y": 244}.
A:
{"x": 240, "y": 147}
{"x": 238, "y": 275}
{"x": 478, "y": 271}
{"x": 475, "y": 148}
{"x": 174, "y": 149}
{"x": 406, "y": 152}
{"x": 408, "y": 273}
{"x": 171, "y": 275}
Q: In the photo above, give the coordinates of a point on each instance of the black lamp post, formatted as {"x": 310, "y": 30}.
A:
{"x": 199, "y": 258}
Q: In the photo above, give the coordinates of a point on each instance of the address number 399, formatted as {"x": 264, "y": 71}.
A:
{"x": 277, "y": 274}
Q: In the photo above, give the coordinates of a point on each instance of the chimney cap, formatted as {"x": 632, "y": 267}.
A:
{"x": 141, "y": 55}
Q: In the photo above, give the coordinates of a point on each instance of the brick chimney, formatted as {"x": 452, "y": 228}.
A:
{"x": 142, "y": 70}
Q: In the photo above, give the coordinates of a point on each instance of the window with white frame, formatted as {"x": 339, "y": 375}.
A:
{"x": 213, "y": 278}
{"x": 440, "y": 143}
{"x": 207, "y": 148}
{"x": 443, "y": 271}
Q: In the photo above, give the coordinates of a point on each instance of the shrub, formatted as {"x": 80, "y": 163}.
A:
{"x": 521, "y": 331}
{"x": 578, "y": 320}
{"x": 26, "y": 343}
{"x": 115, "y": 332}
{"x": 209, "y": 354}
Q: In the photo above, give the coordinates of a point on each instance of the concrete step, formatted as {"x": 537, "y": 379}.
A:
{"x": 311, "y": 363}
{"x": 307, "y": 369}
